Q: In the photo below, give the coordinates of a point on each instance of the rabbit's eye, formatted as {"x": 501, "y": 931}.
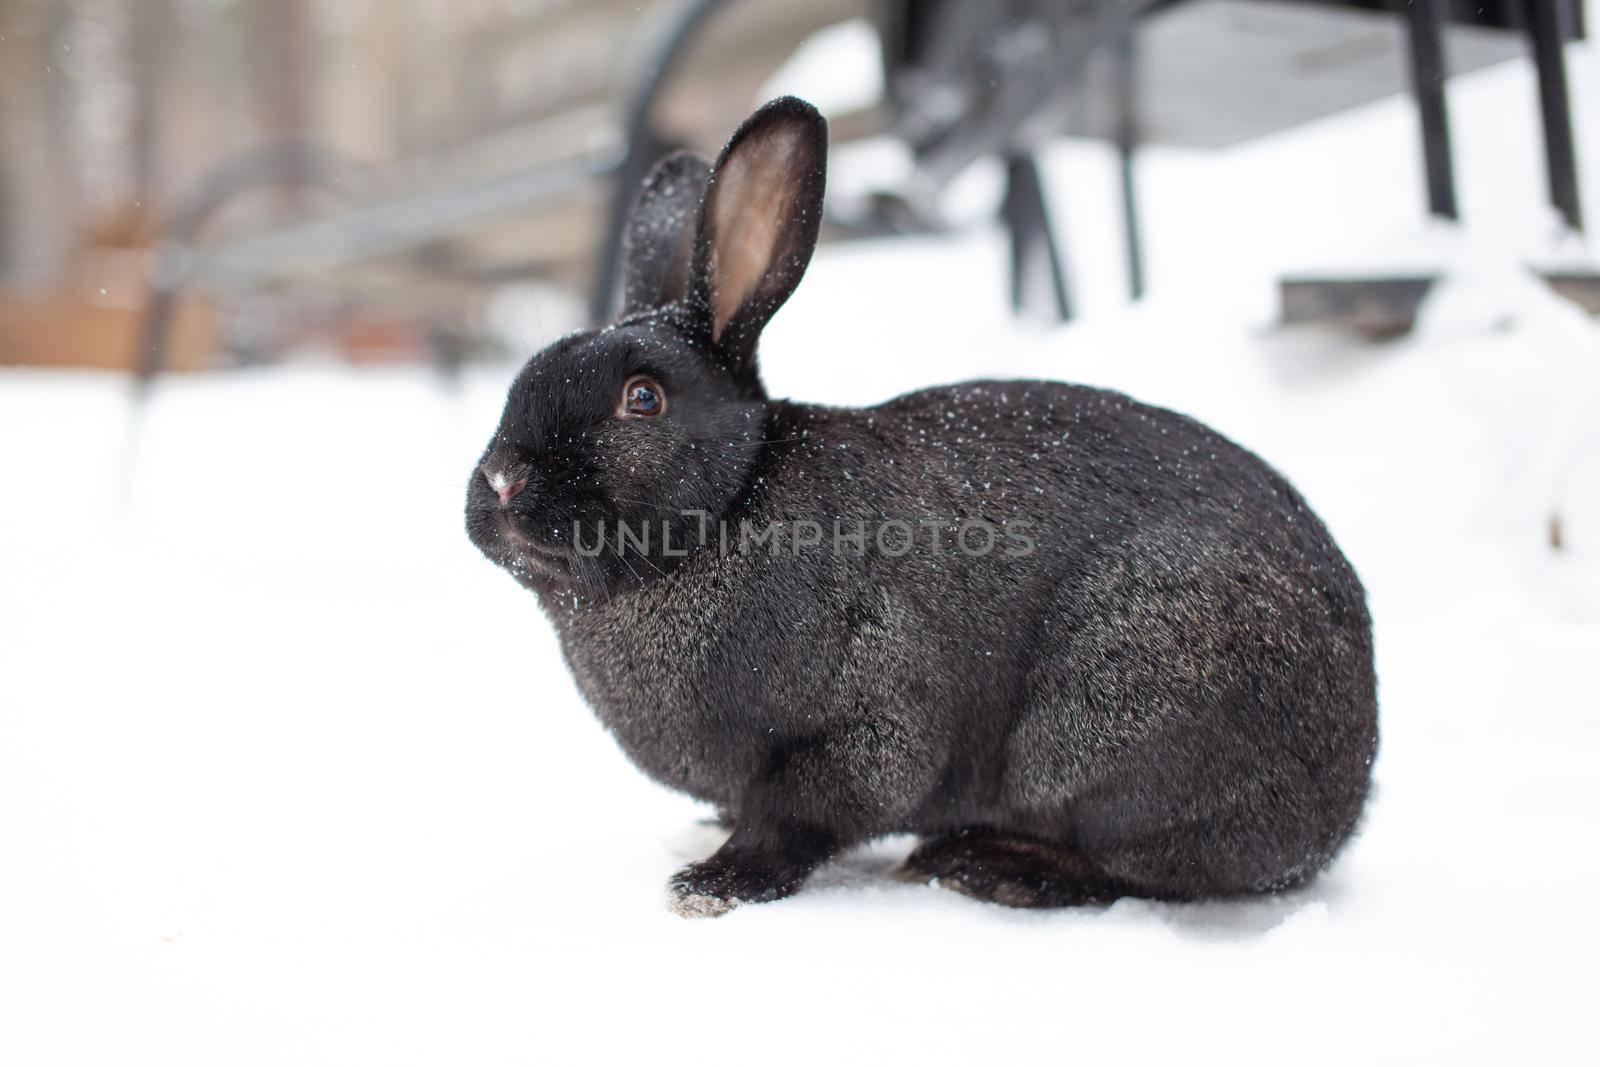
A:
{"x": 642, "y": 396}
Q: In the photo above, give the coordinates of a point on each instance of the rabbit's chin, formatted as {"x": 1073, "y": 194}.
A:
{"x": 519, "y": 551}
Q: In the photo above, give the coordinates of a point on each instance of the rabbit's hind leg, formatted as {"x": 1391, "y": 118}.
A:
{"x": 1015, "y": 871}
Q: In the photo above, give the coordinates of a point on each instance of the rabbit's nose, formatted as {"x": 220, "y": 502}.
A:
{"x": 504, "y": 485}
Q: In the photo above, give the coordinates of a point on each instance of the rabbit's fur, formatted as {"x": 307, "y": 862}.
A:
{"x": 1157, "y": 681}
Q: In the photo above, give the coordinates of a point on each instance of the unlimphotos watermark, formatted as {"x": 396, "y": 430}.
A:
{"x": 888, "y": 537}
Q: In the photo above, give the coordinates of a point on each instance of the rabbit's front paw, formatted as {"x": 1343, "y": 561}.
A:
{"x": 719, "y": 884}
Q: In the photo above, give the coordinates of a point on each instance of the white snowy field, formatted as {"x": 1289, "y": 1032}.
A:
{"x": 289, "y": 775}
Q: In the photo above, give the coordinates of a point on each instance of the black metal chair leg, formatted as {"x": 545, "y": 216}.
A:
{"x": 1423, "y": 21}
{"x": 1127, "y": 141}
{"x": 1033, "y": 244}
{"x": 643, "y": 146}
{"x": 1545, "y": 34}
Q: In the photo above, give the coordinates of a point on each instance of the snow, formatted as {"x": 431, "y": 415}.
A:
{"x": 289, "y": 774}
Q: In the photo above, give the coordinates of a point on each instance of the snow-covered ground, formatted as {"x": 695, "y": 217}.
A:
{"x": 289, "y": 775}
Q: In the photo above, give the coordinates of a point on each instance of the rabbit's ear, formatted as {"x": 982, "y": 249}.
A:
{"x": 661, "y": 231}
{"x": 759, "y": 222}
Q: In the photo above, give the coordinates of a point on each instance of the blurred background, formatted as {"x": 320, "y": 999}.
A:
{"x": 200, "y": 184}
{"x": 290, "y": 774}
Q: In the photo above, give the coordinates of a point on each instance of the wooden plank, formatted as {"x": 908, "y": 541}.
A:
{"x": 1582, "y": 287}
{"x": 1379, "y": 308}
{"x": 64, "y": 331}
{"x": 1376, "y": 308}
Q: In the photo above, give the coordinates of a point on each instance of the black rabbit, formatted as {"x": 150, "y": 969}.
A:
{"x": 1086, "y": 647}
